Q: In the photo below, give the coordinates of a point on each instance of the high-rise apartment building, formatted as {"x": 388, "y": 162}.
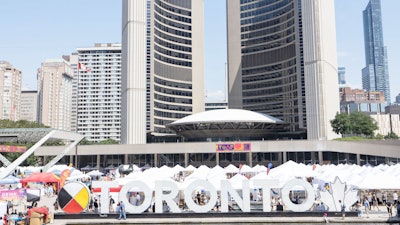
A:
{"x": 98, "y": 81}
{"x": 282, "y": 62}
{"x": 375, "y": 74}
{"x": 163, "y": 75}
{"x": 10, "y": 91}
{"x": 55, "y": 94}
{"x": 29, "y": 105}
{"x": 342, "y": 75}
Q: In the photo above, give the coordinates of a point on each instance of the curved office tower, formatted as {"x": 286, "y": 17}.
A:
{"x": 282, "y": 62}
{"x": 174, "y": 66}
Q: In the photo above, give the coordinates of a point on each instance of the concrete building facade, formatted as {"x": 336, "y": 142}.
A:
{"x": 387, "y": 123}
{"x": 10, "y": 91}
{"x": 98, "y": 78}
{"x": 375, "y": 74}
{"x": 164, "y": 69}
{"x": 357, "y": 100}
{"x": 282, "y": 62}
{"x": 55, "y": 94}
{"x": 29, "y": 105}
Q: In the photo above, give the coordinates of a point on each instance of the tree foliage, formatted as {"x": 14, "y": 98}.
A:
{"x": 392, "y": 135}
{"x": 11, "y": 156}
{"x": 20, "y": 124}
{"x": 357, "y": 123}
{"x": 108, "y": 142}
{"x": 341, "y": 124}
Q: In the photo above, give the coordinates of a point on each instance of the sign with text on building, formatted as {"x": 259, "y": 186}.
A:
{"x": 233, "y": 147}
{"x": 10, "y": 148}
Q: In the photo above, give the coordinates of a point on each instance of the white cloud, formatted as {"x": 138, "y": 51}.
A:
{"x": 215, "y": 96}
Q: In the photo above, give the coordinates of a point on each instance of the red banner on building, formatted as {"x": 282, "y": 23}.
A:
{"x": 235, "y": 147}
{"x": 9, "y": 148}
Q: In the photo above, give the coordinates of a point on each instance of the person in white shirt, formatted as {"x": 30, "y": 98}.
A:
{"x": 395, "y": 198}
{"x": 137, "y": 199}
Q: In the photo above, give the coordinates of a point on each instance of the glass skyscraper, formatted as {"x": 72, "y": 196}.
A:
{"x": 375, "y": 74}
{"x": 342, "y": 75}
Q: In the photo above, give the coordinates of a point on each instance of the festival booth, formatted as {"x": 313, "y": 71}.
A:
{"x": 39, "y": 216}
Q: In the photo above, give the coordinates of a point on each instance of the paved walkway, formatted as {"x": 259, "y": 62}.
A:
{"x": 380, "y": 216}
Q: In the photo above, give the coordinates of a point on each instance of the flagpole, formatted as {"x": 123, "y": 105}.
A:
{"x": 76, "y": 113}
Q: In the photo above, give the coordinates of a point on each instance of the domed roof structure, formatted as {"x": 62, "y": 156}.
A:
{"x": 227, "y": 123}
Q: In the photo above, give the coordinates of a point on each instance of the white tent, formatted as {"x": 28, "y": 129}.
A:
{"x": 259, "y": 169}
{"x": 292, "y": 169}
{"x": 380, "y": 181}
{"x": 236, "y": 181}
{"x": 78, "y": 177}
{"x": 217, "y": 170}
{"x": 190, "y": 168}
{"x": 246, "y": 169}
{"x": 231, "y": 169}
{"x": 95, "y": 173}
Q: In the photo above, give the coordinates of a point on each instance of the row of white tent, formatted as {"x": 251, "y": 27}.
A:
{"x": 382, "y": 177}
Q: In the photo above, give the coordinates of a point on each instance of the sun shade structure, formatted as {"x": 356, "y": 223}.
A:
{"x": 72, "y": 138}
{"x": 227, "y": 123}
{"x": 41, "y": 177}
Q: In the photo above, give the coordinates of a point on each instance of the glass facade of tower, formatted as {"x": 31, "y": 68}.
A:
{"x": 375, "y": 75}
{"x": 272, "y": 66}
{"x": 171, "y": 56}
{"x": 342, "y": 75}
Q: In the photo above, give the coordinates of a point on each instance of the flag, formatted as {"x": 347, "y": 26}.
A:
{"x": 63, "y": 177}
{"x": 82, "y": 66}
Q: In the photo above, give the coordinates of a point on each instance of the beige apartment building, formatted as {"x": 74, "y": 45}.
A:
{"x": 29, "y": 105}
{"x": 10, "y": 91}
{"x": 55, "y": 94}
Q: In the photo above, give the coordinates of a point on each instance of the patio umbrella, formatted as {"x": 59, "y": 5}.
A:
{"x": 95, "y": 173}
{"x": 10, "y": 179}
{"x": 110, "y": 167}
{"x": 88, "y": 168}
{"x": 41, "y": 177}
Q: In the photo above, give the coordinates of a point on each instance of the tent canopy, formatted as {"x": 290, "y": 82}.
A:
{"x": 10, "y": 179}
{"x": 41, "y": 177}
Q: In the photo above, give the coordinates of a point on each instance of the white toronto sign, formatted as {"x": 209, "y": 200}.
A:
{"x": 330, "y": 198}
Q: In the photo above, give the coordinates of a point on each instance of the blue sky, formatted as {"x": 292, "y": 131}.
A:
{"x": 33, "y": 31}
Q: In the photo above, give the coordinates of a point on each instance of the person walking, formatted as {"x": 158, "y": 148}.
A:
{"x": 366, "y": 207}
{"x": 122, "y": 212}
{"x": 395, "y": 198}
{"x": 111, "y": 204}
{"x": 342, "y": 209}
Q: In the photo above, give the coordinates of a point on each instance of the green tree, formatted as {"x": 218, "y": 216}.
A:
{"x": 108, "y": 142}
{"x": 85, "y": 141}
{"x": 341, "y": 124}
{"x": 357, "y": 123}
{"x": 362, "y": 124}
{"x": 11, "y": 156}
{"x": 392, "y": 135}
{"x": 379, "y": 137}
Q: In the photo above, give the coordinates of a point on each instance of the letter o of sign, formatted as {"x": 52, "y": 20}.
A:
{"x": 147, "y": 196}
{"x": 306, "y": 204}
{"x": 188, "y": 196}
